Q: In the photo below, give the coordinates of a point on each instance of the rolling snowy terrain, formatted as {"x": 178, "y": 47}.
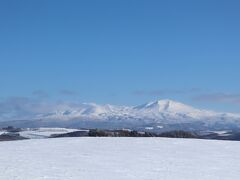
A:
{"x": 119, "y": 158}
{"x": 163, "y": 115}
{"x": 41, "y": 133}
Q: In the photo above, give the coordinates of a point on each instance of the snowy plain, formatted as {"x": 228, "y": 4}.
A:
{"x": 119, "y": 159}
{"x": 40, "y": 133}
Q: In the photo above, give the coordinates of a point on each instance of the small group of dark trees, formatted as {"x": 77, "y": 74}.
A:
{"x": 125, "y": 133}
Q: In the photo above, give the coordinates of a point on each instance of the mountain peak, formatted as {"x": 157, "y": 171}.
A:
{"x": 165, "y": 105}
{"x": 163, "y": 111}
{"x": 166, "y": 102}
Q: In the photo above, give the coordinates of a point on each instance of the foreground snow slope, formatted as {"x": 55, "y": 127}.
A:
{"x": 119, "y": 158}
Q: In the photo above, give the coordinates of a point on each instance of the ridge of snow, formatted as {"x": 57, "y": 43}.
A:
{"x": 167, "y": 111}
{"x": 152, "y": 110}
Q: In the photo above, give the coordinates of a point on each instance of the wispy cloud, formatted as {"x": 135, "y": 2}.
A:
{"x": 161, "y": 92}
{"x": 25, "y": 108}
{"x": 17, "y": 108}
{"x": 219, "y": 98}
{"x": 40, "y": 94}
{"x": 66, "y": 92}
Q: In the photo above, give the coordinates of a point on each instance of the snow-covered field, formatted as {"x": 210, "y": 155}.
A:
{"x": 40, "y": 133}
{"x": 119, "y": 159}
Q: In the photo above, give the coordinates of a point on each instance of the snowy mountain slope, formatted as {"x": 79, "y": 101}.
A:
{"x": 116, "y": 159}
{"x": 150, "y": 110}
{"x": 162, "y": 113}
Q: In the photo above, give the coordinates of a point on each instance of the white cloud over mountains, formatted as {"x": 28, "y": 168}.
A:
{"x": 229, "y": 98}
{"x": 18, "y": 108}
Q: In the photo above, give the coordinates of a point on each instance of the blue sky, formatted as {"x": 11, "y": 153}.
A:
{"x": 121, "y": 52}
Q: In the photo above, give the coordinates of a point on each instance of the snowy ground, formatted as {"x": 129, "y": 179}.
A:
{"x": 119, "y": 159}
{"x": 40, "y": 133}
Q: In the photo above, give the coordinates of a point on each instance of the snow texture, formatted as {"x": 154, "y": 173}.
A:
{"x": 40, "y": 133}
{"x": 119, "y": 158}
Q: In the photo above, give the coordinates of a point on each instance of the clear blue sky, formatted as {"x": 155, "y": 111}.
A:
{"x": 122, "y": 52}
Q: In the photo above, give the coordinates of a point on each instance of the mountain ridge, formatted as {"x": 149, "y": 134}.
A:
{"x": 160, "y": 113}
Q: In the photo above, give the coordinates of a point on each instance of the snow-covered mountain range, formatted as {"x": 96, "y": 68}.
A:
{"x": 158, "y": 115}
